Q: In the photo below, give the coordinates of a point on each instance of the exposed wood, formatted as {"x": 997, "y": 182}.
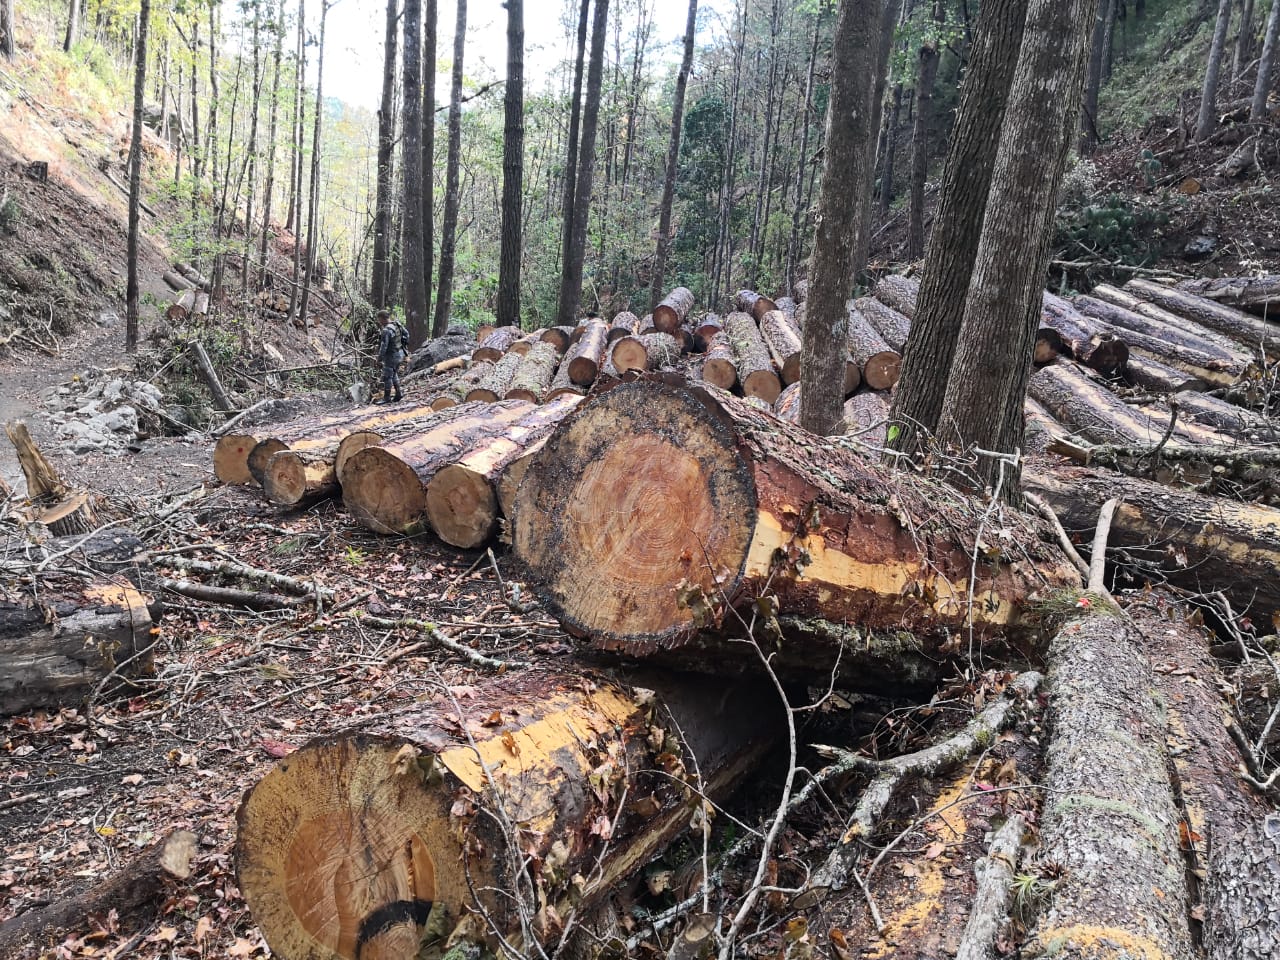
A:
{"x": 893, "y": 326}
{"x": 58, "y": 506}
{"x": 561, "y": 382}
{"x": 495, "y": 384}
{"x": 456, "y": 390}
{"x": 617, "y": 558}
{"x": 462, "y": 500}
{"x": 787, "y": 406}
{"x": 895, "y": 290}
{"x": 384, "y": 487}
{"x": 1084, "y": 338}
{"x": 526, "y": 342}
{"x": 880, "y": 364}
{"x": 210, "y": 377}
{"x": 708, "y": 327}
{"x": 751, "y": 357}
{"x": 389, "y": 424}
{"x": 1090, "y": 409}
{"x": 1259, "y": 295}
{"x": 625, "y": 324}
{"x": 1143, "y": 371}
{"x": 585, "y": 356}
{"x": 294, "y": 477}
{"x": 650, "y": 351}
{"x": 560, "y": 336}
{"x": 1136, "y": 313}
{"x": 367, "y": 843}
{"x": 783, "y": 341}
{"x": 1244, "y": 328}
{"x": 1227, "y": 417}
{"x": 668, "y": 316}
{"x": 496, "y": 344}
{"x": 719, "y": 366}
{"x": 143, "y": 883}
{"x": 533, "y": 377}
{"x": 748, "y": 301}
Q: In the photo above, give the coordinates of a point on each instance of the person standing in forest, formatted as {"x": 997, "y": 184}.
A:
{"x": 391, "y": 345}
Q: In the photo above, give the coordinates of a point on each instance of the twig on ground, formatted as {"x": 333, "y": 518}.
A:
{"x": 439, "y": 638}
{"x": 994, "y": 874}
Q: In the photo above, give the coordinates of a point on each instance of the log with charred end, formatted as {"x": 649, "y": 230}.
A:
{"x": 880, "y": 364}
{"x": 866, "y": 417}
{"x": 1041, "y": 427}
{"x": 462, "y": 500}
{"x": 496, "y": 344}
{"x": 1142, "y": 371}
{"x": 668, "y": 316}
{"x": 708, "y": 327}
{"x": 1197, "y": 542}
{"x": 56, "y": 648}
{"x": 751, "y": 357}
{"x": 787, "y": 406}
{"x": 1091, "y": 410}
{"x": 1242, "y": 327}
{"x": 1109, "y": 820}
{"x": 1258, "y": 295}
{"x": 895, "y": 290}
{"x": 533, "y": 377}
{"x": 748, "y": 301}
{"x": 1228, "y": 418}
{"x": 545, "y": 786}
{"x": 559, "y": 336}
{"x": 1137, "y": 314}
{"x": 561, "y": 383}
{"x": 1084, "y": 338}
{"x": 650, "y": 351}
{"x": 625, "y": 324}
{"x": 585, "y": 356}
{"x": 141, "y": 885}
{"x": 456, "y": 390}
{"x": 497, "y": 382}
{"x": 619, "y": 557}
{"x": 384, "y": 487}
{"x": 783, "y": 341}
{"x": 719, "y": 368}
{"x": 892, "y": 326}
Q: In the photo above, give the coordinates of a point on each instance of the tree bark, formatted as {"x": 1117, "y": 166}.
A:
{"x": 8, "y": 45}
{"x": 456, "y": 390}
{"x": 453, "y": 180}
{"x": 429, "y": 30}
{"x": 386, "y": 145}
{"x": 1207, "y": 121}
{"x": 718, "y": 368}
{"x": 1244, "y": 39}
{"x": 1002, "y": 308}
{"x": 135, "y": 177}
{"x": 673, "y": 159}
{"x": 413, "y": 251}
{"x": 1262, "y": 86}
{"x": 926, "y": 74}
{"x": 670, "y": 314}
{"x": 878, "y": 363}
{"x": 497, "y": 382}
{"x": 1132, "y": 314}
{"x": 957, "y": 228}
{"x": 893, "y": 326}
{"x": 843, "y": 210}
{"x": 508, "y": 307}
{"x": 783, "y": 341}
{"x": 72, "y": 36}
{"x": 575, "y": 122}
{"x": 269, "y": 188}
{"x": 1229, "y": 321}
{"x": 313, "y": 190}
{"x": 1093, "y": 411}
{"x": 649, "y": 351}
{"x": 752, "y": 359}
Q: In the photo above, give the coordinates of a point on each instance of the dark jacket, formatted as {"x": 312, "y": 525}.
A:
{"x": 389, "y": 351}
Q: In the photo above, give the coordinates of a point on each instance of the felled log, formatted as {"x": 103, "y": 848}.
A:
{"x": 561, "y": 382}
{"x": 204, "y": 366}
{"x": 787, "y": 406}
{"x": 1228, "y": 418}
{"x": 899, "y": 292}
{"x": 708, "y": 327}
{"x": 1159, "y": 377}
{"x": 1190, "y": 540}
{"x": 462, "y": 500}
{"x": 751, "y": 357}
{"x": 585, "y": 356}
{"x": 892, "y": 326}
{"x": 384, "y": 487}
{"x": 539, "y": 792}
{"x": 386, "y": 425}
{"x": 1256, "y": 294}
{"x": 748, "y": 301}
{"x": 176, "y": 281}
{"x": 650, "y": 351}
{"x": 60, "y": 507}
{"x": 141, "y": 884}
{"x": 668, "y": 316}
{"x": 58, "y": 646}
{"x": 303, "y": 434}
{"x": 1109, "y": 819}
{"x": 618, "y": 558}
{"x": 1135, "y": 313}
{"x": 625, "y": 324}
{"x": 194, "y": 275}
{"x": 456, "y": 390}
{"x": 879, "y": 363}
{"x": 719, "y": 367}
{"x": 526, "y": 342}
{"x": 181, "y": 308}
{"x": 1084, "y": 338}
{"x": 496, "y": 344}
{"x": 559, "y": 336}
{"x": 497, "y": 381}
{"x": 534, "y": 374}
{"x": 866, "y": 416}
{"x": 1239, "y": 326}
{"x": 1091, "y": 410}
{"x": 1041, "y": 427}
{"x": 783, "y": 341}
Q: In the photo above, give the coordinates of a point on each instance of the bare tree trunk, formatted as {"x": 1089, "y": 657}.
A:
{"x": 953, "y": 243}
{"x": 197, "y": 156}
{"x": 386, "y": 141}
{"x": 292, "y": 220}
{"x": 269, "y": 188}
{"x": 794, "y": 251}
{"x": 1093, "y": 83}
{"x": 1208, "y": 119}
{"x": 656, "y": 293}
{"x": 1258, "y": 109}
{"x": 843, "y": 211}
{"x": 252, "y": 147}
{"x": 926, "y": 74}
{"x": 1002, "y": 309}
{"x": 453, "y": 186}
{"x": 724, "y": 257}
{"x": 7, "y": 45}
{"x": 135, "y": 180}
{"x": 508, "y": 312}
{"x": 412, "y": 248}
{"x": 429, "y": 25}
{"x": 571, "y": 276}
{"x": 571, "y": 159}
{"x": 890, "y": 148}
{"x": 73, "y": 26}
{"x": 211, "y": 140}
{"x": 313, "y": 187}
{"x": 754, "y": 243}
{"x": 1244, "y": 40}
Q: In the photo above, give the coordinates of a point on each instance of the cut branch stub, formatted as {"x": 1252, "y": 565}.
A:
{"x": 668, "y": 316}
{"x": 654, "y": 502}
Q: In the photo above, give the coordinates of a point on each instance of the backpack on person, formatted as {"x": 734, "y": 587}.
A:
{"x": 404, "y": 336}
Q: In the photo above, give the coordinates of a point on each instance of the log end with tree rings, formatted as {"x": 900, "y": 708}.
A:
{"x": 1048, "y": 347}
{"x": 285, "y": 481}
{"x": 383, "y": 493}
{"x": 481, "y": 395}
{"x": 462, "y": 506}
{"x": 443, "y": 402}
{"x": 486, "y": 355}
{"x": 882, "y": 369}
{"x": 628, "y": 353}
{"x": 763, "y": 384}
{"x": 852, "y": 378}
{"x": 231, "y": 456}
{"x": 352, "y": 444}
{"x": 261, "y": 455}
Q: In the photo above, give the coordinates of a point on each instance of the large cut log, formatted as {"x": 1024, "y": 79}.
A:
{"x": 783, "y": 341}
{"x": 1242, "y": 327}
{"x": 1149, "y": 318}
{"x": 668, "y": 316}
{"x": 585, "y": 356}
{"x": 748, "y": 301}
{"x": 751, "y": 357}
{"x": 194, "y": 275}
{"x": 892, "y": 326}
{"x": 1091, "y": 410}
{"x": 1259, "y": 295}
{"x": 526, "y": 342}
{"x": 1083, "y": 337}
{"x": 456, "y": 390}
{"x": 57, "y": 647}
{"x": 1109, "y": 819}
{"x": 533, "y": 377}
{"x": 496, "y": 344}
{"x": 787, "y": 406}
{"x": 60, "y": 507}
{"x": 620, "y": 557}
{"x": 1159, "y": 377}
{"x": 1197, "y": 542}
{"x": 718, "y": 368}
{"x": 559, "y": 336}
{"x": 462, "y": 500}
{"x": 385, "y": 487}
{"x": 536, "y": 794}
{"x": 625, "y": 324}
{"x": 391, "y": 424}
{"x": 1227, "y": 417}
{"x": 176, "y": 281}
{"x": 649, "y": 351}
{"x": 879, "y": 363}
{"x": 1041, "y": 427}
{"x": 866, "y": 416}
{"x": 708, "y": 327}
{"x": 899, "y": 292}
{"x": 304, "y": 433}
{"x": 496, "y": 383}
{"x": 204, "y": 367}
{"x": 561, "y": 383}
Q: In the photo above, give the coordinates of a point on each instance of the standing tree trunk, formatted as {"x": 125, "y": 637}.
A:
{"x": 1258, "y": 109}
{"x": 1002, "y": 309}
{"x": 1093, "y": 84}
{"x": 673, "y": 159}
{"x": 953, "y": 243}
{"x": 135, "y": 179}
{"x": 508, "y": 311}
{"x": 890, "y": 148}
{"x": 794, "y": 245}
{"x": 313, "y": 186}
{"x": 73, "y": 26}
{"x": 1209, "y": 93}
{"x": 252, "y": 148}
{"x": 571, "y": 159}
{"x": 755, "y": 243}
{"x": 7, "y": 44}
{"x": 571, "y": 277}
{"x": 453, "y": 186}
{"x": 412, "y": 248}
{"x": 428, "y": 152}
{"x": 269, "y": 187}
{"x": 843, "y": 211}
{"x": 926, "y": 74}
{"x": 1244, "y": 40}
{"x": 295, "y": 159}
{"x": 386, "y": 143}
